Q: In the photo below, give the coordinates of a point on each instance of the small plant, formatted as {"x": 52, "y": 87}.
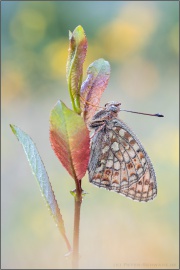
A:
{"x": 116, "y": 159}
{"x": 69, "y": 135}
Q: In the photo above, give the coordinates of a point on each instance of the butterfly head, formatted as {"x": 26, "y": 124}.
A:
{"x": 109, "y": 112}
{"x": 113, "y": 106}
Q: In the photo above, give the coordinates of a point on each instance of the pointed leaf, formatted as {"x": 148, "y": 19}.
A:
{"x": 74, "y": 68}
{"x": 41, "y": 176}
{"x": 69, "y": 138}
{"x": 93, "y": 87}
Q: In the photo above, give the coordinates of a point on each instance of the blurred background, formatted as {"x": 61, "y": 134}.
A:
{"x": 140, "y": 41}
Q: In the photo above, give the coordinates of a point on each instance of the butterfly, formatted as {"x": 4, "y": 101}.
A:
{"x": 118, "y": 161}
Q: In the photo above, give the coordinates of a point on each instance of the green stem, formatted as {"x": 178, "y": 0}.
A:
{"x": 77, "y": 209}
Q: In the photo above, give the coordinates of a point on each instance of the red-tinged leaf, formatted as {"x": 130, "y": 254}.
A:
{"x": 42, "y": 178}
{"x": 74, "y": 69}
{"x": 69, "y": 138}
{"x": 93, "y": 87}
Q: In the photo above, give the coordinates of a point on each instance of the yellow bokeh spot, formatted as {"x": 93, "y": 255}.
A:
{"x": 13, "y": 83}
{"x": 166, "y": 145}
{"x": 128, "y": 32}
{"x": 28, "y": 27}
{"x": 56, "y": 56}
{"x": 120, "y": 39}
{"x": 174, "y": 39}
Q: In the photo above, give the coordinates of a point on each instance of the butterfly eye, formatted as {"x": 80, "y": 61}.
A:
{"x": 113, "y": 108}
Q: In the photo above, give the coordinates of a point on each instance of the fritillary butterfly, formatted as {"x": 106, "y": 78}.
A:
{"x": 118, "y": 161}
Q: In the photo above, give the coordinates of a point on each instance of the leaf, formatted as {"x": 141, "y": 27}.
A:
{"x": 42, "y": 178}
{"x": 69, "y": 138}
{"x": 74, "y": 68}
{"x": 93, "y": 87}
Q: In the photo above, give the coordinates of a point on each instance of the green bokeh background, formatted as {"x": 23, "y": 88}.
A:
{"x": 140, "y": 40}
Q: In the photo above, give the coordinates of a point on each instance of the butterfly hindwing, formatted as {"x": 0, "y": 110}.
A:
{"x": 118, "y": 162}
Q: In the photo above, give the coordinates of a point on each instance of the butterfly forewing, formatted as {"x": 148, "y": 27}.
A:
{"x": 118, "y": 161}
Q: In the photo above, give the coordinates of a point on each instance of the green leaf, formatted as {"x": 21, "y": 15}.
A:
{"x": 74, "y": 69}
{"x": 42, "y": 178}
{"x": 69, "y": 138}
{"x": 93, "y": 87}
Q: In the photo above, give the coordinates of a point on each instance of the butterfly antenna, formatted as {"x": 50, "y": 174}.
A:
{"x": 156, "y": 114}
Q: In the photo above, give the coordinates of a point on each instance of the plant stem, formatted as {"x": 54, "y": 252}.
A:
{"x": 77, "y": 209}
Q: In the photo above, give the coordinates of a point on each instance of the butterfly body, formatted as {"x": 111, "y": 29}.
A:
{"x": 118, "y": 161}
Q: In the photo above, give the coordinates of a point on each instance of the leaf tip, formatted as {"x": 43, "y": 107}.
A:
{"x": 70, "y": 35}
{"x": 59, "y": 103}
{"x": 73, "y": 193}
{"x": 79, "y": 28}
{"x": 13, "y": 128}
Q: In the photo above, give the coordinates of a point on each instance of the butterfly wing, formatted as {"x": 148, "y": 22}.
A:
{"x": 118, "y": 162}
